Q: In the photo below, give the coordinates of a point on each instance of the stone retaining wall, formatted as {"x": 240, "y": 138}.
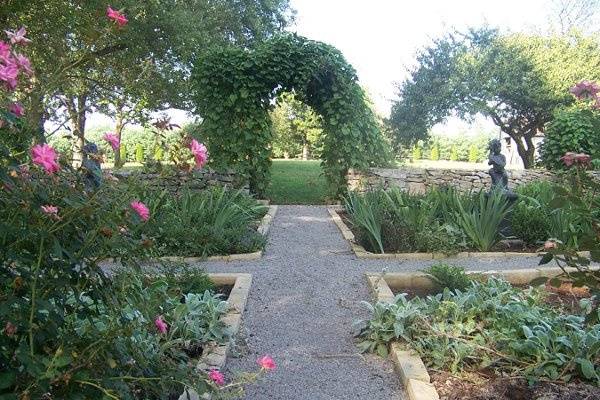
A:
{"x": 419, "y": 180}
{"x": 195, "y": 181}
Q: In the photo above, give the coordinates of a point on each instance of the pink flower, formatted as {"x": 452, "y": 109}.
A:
{"x": 581, "y": 159}
{"x": 113, "y": 139}
{"x": 141, "y": 210}
{"x": 10, "y": 329}
{"x": 18, "y": 37}
{"x": 4, "y": 51}
{"x": 216, "y": 377}
{"x": 161, "y": 325}
{"x": 50, "y": 210}
{"x": 17, "y": 109}
{"x": 46, "y": 157}
{"x": 116, "y": 16}
{"x": 585, "y": 90}
{"x": 200, "y": 153}
{"x": 24, "y": 63}
{"x": 550, "y": 244}
{"x": 266, "y": 363}
{"x": 8, "y": 74}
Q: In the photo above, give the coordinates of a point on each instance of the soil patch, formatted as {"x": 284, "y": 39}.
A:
{"x": 478, "y": 388}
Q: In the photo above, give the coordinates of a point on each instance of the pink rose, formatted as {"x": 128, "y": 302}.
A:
{"x": 266, "y": 363}
{"x": 141, "y": 210}
{"x": 216, "y": 377}
{"x": 585, "y": 90}
{"x": 46, "y": 157}
{"x": 550, "y": 245}
{"x": 18, "y": 37}
{"x": 116, "y": 16}
{"x": 50, "y": 210}
{"x": 113, "y": 140}
{"x": 17, "y": 109}
{"x": 200, "y": 153}
{"x": 161, "y": 325}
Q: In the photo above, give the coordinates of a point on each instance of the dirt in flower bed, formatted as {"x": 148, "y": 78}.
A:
{"x": 482, "y": 388}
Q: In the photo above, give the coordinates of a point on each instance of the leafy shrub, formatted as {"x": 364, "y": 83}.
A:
{"x": 212, "y": 222}
{"x": 473, "y": 154}
{"x": 481, "y": 223}
{"x": 435, "y": 153}
{"x": 530, "y": 221}
{"x": 449, "y": 276}
{"x": 575, "y": 129}
{"x": 139, "y": 153}
{"x": 366, "y": 215}
{"x": 453, "y": 153}
{"x": 417, "y": 153}
{"x": 489, "y": 326}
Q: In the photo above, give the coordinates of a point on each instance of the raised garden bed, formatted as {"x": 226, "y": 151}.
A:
{"x": 263, "y": 229}
{"x": 340, "y": 219}
{"x": 422, "y": 383}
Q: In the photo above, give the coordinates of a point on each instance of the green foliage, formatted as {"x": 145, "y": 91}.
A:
{"x": 417, "y": 153}
{"x": 580, "y": 200}
{"x": 531, "y": 221}
{"x": 489, "y": 327}
{"x": 69, "y": 331}
{"x": 453, "y": 153}
{"x": 295, "y": 128}
{"x": 481, "y": 220}
{"x": 394, "y": 221}
{"x": 199, "y": 224}
{"x": 517, "y": 80}
{"x": 366, "y": 214}
{"x": 123, "y": 152}
{"x": 233, "y": 88}
{"x": 473, "y": 154}
{"x": 574, "y": 129}
{"x": 435, "y": 153}
{"x": 449, "y": 276}
{"x": 139, "y": 153}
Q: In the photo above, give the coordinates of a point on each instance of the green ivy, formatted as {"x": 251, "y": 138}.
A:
{"x": 233, "y": 89}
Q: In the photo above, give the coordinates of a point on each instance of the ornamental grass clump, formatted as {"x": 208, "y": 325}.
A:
{"x": 489, "y": 326}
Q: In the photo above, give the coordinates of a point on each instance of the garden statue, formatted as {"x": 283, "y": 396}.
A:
{"x": 498, "y": 172}
{"x": 91, "y": 165}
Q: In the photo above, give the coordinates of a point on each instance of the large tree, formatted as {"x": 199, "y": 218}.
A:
{"x": 516, "y": 80}
{"x": 82, "y": 60}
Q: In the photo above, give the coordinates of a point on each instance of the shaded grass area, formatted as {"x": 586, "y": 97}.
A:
{"x": 297, "y": 182}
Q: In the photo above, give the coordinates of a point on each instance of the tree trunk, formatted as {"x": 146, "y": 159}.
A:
{"x": 119, "y": 131}
{"x": 36, "y": 116}
{"x": 305, "y": 150}
{"x": 525, "y": 146}
{"x": 76, "y": 106}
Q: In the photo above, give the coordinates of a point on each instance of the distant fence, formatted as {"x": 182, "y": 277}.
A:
{"x": 419, "y": 180}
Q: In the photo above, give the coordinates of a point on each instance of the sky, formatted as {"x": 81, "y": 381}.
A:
{"x": 380, "y": 38}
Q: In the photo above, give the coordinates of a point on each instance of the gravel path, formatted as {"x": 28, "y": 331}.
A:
{"x": 305, "y": 294}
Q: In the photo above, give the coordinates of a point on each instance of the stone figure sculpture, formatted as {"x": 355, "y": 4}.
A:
{"x": 91, "y": 165}
{"x": 498, "y": 171}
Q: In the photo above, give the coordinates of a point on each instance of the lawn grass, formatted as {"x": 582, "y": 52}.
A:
{"x": 297, "y": 182}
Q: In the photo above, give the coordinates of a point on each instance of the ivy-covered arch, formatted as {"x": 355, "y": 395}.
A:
{"x": 234, "y": 88}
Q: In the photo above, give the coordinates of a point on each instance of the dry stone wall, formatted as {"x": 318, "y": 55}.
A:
{"x": 419, "y": 180}
{"x": 195, "y": 181}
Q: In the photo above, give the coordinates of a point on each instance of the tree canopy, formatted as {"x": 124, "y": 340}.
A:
{"x": 83, "y": 62}
{"x": 516, "y": 80}
{"x": 234, "y": 88}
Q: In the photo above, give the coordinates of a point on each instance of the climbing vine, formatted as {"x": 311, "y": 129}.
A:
{"x": 233, "y": 89}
